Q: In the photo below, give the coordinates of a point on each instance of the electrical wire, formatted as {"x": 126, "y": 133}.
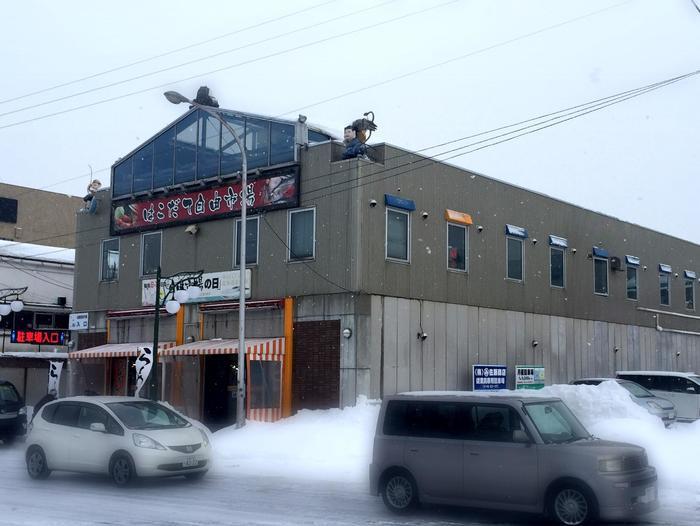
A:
{"x": 225, "y": 68}
{"x": 167, "y": 53}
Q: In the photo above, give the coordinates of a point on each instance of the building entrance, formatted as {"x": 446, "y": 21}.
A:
{"x": 220, "y": 384}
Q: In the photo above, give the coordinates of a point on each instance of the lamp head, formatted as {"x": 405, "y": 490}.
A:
{"x": 176, "y": 98}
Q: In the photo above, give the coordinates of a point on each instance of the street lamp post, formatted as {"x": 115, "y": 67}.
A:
{"x": 177, "y": 98}
{"x": 14, "y": 306}
{"x": 181, "y": 286}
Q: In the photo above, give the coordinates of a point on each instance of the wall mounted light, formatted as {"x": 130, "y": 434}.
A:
{"x": 480, "y": 228}
{"x": 424, "y": 215}
{"x": 347, "y": 332}
{"x": 534, "y": 241}
{"x": 422, "y": 335}
{"x": 535, "y": 343}
{"x": 372, "y": 203}
{"x": 573, "y": 251}
{"x": 616, "y": 349}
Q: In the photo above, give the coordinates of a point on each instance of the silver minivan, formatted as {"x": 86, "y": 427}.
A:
{"x": 683, "y": 389}
{"x": 526, "y": 454}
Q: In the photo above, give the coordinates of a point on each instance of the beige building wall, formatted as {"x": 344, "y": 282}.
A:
{"x": 43, "y": 218}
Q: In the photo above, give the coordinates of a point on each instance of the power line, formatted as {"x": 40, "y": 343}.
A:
{"x": 225, "y": 68}
{"x": 194, "y": 61}
{"x": 585, "y": 108}
{"x": 167, "y": 53}
{"x": 291, "y": 252}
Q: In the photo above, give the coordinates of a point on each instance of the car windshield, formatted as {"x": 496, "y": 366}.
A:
{"x": 695, "y": 378}
{"x": 8, "y": 393}
{"x": 555, "y": 422}
{"x": 636, "y": 390}
{"x": 146, "y": 415}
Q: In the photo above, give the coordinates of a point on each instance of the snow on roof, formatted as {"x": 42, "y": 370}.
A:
{"x": 42, "y": 252}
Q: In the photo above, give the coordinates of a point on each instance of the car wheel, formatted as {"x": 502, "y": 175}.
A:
{"x": 36, "y": 463}
{"x": 572, "y": 505}
{"x": 399, "y": 492}
{"x": 199, "y": 475}
{"x": 122, "y": 470}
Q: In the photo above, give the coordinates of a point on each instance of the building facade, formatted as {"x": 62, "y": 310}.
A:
{"x": 365, "y": 276}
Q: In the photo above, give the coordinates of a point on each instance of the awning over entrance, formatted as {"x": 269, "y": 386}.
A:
{"x": 256, "y": 348}
{"x": 116, "y": 350}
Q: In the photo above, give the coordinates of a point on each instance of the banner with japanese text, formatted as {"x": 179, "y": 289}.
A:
{"x": 280, "y": 190}
{"x": 215, "y": 286}
{"x": 55, "y": 369}
{"x": 489, "y": 377}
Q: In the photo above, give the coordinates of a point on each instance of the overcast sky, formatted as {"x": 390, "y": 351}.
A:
{"x": 431, "y": 70}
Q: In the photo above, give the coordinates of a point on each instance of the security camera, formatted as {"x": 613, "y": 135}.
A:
{"x": 422, "y": 335}
{"x": 644, "y": 267}
{"x": 372, "y": 203}
{"x": 573, "y": 251}
{"x": 678, "y": 353}
{"x": 480, "y": 228}
{"x": 535, "y": 343}
{"x": 534, "y": 241}
{"x": 675, "y": 275}
{"x": 192, "y": 229}
{"x": 425, "y": 215}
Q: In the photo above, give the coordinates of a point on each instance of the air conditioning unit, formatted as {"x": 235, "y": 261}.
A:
{"x": 615, "y": 263}
{"x": 61, "y": 300}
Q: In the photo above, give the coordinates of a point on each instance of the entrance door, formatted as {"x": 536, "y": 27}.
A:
{"x": 316, "y": 365}
{"x": 220, "y": 384}
{"x": 118, "y": 377}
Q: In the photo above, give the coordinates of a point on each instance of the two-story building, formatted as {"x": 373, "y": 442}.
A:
{"x": 364, "y": 277}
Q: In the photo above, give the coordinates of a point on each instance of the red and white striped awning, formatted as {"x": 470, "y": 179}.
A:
{"x": 116, "y": 350}
{"x": 256, "y": 348}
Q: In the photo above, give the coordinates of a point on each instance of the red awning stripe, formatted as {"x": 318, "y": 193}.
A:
{"x": 257, "y": 348}
{"x": 116, "y": 350}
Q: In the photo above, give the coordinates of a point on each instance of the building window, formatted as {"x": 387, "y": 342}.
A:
{"x": 398, "y": 227}
{"x": 457, "y": 236}
{"x": 556, "y": 267}
{"x": 665, "y": 289}
{"x": 110, "y": 260}
{"x": 689, "y": 294}
{"x": 632, "y": 285}
{"x": 150, "y": 253}
{"x": 600, "y": 276}
{"x": 251, "y": 245}
{"x": 302, "y": 234}
{"x": 514, "y": 249}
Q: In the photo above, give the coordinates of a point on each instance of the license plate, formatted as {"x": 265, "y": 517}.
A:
{"x": 189, "y": 462}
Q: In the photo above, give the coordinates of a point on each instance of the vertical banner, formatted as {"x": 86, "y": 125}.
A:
{"x": 144, "y": 362}
{"x": 55, "y": 369}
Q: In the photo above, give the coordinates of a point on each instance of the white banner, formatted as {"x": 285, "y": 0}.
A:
{"x": 144, "y": 362}
{"x": 215, "y": 286}
{"x": 55, "y": 369}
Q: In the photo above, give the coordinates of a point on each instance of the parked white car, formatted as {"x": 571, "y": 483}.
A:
{"x": 124, "y": 437}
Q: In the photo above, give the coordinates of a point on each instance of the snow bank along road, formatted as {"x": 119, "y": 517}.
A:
{"x": 311, "y": 469}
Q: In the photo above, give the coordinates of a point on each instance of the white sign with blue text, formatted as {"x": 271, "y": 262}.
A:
{"x": 489, "y": 377}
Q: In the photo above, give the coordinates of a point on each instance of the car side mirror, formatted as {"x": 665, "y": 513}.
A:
{"x": 520, "y": 437}
{"x": 98, "y": 427}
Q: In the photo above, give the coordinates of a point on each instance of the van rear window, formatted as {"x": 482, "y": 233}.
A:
{"x": 427, "y": 419}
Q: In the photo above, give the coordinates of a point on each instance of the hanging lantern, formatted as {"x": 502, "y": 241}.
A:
{"x": 16, "y": 305}
{"x": 5, "y": 309}
{"x": 172, "y": 306}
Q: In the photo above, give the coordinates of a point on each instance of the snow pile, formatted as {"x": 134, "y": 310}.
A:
{"x": 334, "y": 444}
{"x": 337, "y": 444}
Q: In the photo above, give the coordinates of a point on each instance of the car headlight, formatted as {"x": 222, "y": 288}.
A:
{"x": 22, "y": 410}
{"x": 611, "y": 465}
{"x": 147, "y": 442}
{"x": 653, "y": 405}
{"x": 205, "y": 438}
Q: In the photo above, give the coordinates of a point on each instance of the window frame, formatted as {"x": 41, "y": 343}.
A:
{"x": 636, "y": 281}
{"x": 607, "y": 276}
{"x": 159, "y": 233}
{"x": 236, "y": 244}
{"x": 668, "y": 278}
{"x": 465, "y": 228}
{"x": 407, "y": 213}
{"x": 690, "y": 281}
{"x": 563, "y": 267}
{"x": 522, "y": 259}
{"x": 289, "y": 235}
{"x": 102, "y": 255}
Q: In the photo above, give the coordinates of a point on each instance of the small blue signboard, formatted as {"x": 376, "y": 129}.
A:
{"x": 489, "y": 377}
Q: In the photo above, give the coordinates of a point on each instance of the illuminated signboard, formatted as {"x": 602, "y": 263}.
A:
{"x": 39, "y": 337}
{"x": 278, "y": 189}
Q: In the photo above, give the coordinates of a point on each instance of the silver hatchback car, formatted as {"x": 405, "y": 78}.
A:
{"x": 526, "y": 454}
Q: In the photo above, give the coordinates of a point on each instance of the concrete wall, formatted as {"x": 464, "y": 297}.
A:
{"x": 460, "y": 336}
{"x": 43, "y": 218}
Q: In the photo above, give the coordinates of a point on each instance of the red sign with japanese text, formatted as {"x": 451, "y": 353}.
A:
{"x": 38, "y": 337}
{"x": 280, "y": 190}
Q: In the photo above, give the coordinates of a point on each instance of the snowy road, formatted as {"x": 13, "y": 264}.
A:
{"x": 225, "y": 497}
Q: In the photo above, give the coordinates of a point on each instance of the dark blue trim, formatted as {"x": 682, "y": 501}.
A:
{"x": 600, "y": 252}
{"x": 516, "y": 231}
{"x": 665, "y": 269}
{"x": 399, "y": 202}
{"x": 632, "y": 260}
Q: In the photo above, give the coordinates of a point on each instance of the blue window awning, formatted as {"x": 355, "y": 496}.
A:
{"x": 516, "y": 231}
{"x": 399, "y": 202}
{"x": 632, "y": 260}
{"x": 665, "y": 269}
{"x": 557, "y": 241}
{"x": 600, "y": 252}
{"x": 690, "y": 274}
